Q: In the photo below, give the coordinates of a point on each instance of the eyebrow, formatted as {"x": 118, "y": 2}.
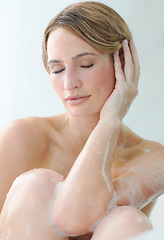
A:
{"x": 73, "y": 58}
{"x": 83, "y": 54}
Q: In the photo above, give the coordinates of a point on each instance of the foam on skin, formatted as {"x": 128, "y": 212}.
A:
{"x": 147, "y": 150}
{"x": 153, "y": 177}
{"x": 9, "y": 234}
{"x": 122, "y": 159}
{"x": 55, "y": 229}
{"x": 28, "y": 231}
{"x": 133, "y": 190}
{"x": 143, "y": 185}
{"x": 104, "y": 165}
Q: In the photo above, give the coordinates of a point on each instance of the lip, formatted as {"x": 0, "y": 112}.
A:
{"x": 76, "y": 99}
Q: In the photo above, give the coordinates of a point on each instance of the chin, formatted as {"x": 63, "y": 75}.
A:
{"x": 84, "y": 110}
{"x": 84, "y": 113}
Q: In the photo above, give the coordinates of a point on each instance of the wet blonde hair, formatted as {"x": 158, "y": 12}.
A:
{"x": 96, "y": 23}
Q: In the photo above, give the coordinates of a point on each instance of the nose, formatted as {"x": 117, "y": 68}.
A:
{"x": 71, "y": 80}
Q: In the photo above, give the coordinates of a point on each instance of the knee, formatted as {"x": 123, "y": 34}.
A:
{"x": 132, "y": 217}
{"x": 128, "y": 220}
{"x": 28, "y": 203}
{"x": 33, "y": 186}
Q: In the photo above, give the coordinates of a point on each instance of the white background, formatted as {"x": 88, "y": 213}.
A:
{"x": 25, "y": 88}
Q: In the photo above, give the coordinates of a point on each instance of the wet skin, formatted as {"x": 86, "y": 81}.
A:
{"x": 93, "y": 109}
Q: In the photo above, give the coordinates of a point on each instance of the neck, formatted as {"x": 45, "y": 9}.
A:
{"x": 81, "y": 127}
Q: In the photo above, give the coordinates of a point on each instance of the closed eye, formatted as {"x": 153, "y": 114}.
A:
{"x": 61, "y": 70}
{"x": 58, "y": 71}
{"x": 87, "y": 66}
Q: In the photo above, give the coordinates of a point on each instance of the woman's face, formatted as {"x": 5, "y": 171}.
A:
{"x": 82, "y": 77}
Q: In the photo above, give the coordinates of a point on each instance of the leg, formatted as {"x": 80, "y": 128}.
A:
{"x": 122, "y": 223}
{"x": 25, "y": 214}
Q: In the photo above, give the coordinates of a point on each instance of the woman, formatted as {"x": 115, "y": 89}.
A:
{"x": 92, "y": 175}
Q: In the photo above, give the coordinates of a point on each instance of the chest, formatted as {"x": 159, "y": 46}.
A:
{"x": 61, "y": 159}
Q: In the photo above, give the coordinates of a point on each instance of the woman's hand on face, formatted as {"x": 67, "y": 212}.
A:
{"x": 126, "y": 87}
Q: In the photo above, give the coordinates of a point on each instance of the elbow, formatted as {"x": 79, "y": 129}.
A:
{"x": 74, "y": 218}
{"x": 67, "y": 223}
{"x": 74, "y": 221}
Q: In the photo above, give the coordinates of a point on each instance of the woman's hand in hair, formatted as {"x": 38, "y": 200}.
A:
{"x": 126, "y": 87}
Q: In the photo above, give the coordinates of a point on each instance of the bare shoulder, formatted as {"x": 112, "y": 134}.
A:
{"x": 31, "y": 135}
{"x": 23, "y": 133}
{"x": 24, "y": 143}
{"x": 132, "y": 149}
{"x": 135, "y": 141}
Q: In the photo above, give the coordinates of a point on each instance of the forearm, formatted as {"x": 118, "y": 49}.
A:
{"x": 88, "y": 188}
{"x": 92, "y": 167}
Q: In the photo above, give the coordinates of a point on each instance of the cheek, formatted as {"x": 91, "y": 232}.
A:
{"x": 55, "y": 84}
{"x": 110, "y": 78}
{"x": 105, "y": 79}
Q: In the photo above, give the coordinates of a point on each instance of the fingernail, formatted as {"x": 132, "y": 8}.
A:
{"x": 117, "y": 52}
{"x": 126, "y": 41}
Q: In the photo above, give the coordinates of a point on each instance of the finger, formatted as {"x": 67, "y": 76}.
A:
{"x": 129, "y": 66}
{"x": 135, "y": 60}
{"x": 119, "y": 73}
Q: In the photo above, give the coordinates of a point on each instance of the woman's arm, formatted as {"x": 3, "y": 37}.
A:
{"x": 86, "y": 192}
{"x": 88, "y": 188}
{"x": 143, "y": 181}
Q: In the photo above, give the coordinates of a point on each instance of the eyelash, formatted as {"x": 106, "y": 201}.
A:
{"x": 87, "y": 66}
{"x": 59, "y": 71}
